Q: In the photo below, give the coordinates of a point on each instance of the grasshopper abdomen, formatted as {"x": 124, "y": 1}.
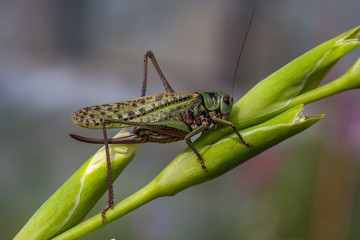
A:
{"x": 151, "y": 108}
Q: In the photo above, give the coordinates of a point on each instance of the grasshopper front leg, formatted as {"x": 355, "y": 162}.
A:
{"x": 223, "y": 122}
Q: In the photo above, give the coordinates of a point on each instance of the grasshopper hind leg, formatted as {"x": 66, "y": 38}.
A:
{"x": 150, "y": 54}
{"x": 109, "y": 173}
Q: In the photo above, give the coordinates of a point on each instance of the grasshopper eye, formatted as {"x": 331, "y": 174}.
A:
{"x": 226, "y": 105}
{"x": 227, "y": 100}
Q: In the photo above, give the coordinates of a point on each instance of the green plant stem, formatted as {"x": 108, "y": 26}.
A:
{"x": 141, "y": 197}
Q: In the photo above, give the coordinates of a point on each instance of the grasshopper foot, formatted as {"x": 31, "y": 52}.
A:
{"x": 110, "y": 205}
{"x": 241, "y": 138}
{"x": 202, "y": 164}
{"x": 245, "y": 142}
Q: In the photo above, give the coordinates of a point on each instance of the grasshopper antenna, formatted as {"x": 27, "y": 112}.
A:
{"x": 242, "y": 47}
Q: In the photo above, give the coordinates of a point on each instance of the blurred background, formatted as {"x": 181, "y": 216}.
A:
{"x": 59, "y": 56}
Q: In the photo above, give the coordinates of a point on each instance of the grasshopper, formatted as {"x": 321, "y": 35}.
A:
{"x": 160, "y": 118}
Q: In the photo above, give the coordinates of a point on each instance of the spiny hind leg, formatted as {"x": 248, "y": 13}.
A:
{"x": 109, "y": 172}
{"x": 150, "y": 54}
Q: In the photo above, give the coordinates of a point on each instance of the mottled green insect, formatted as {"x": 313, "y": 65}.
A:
{"x": 160, "y": 118}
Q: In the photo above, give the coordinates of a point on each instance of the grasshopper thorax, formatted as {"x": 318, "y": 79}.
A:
{"x": 219, "y": 102}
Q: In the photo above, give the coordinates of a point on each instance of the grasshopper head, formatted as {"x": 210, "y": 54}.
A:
{"x": 219, "y": 102}
{"x": 226, "y": 103}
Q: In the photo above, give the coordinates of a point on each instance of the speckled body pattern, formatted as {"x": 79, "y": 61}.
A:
{"x": 143, "y": 109}
{"x": 175, "y": 113}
